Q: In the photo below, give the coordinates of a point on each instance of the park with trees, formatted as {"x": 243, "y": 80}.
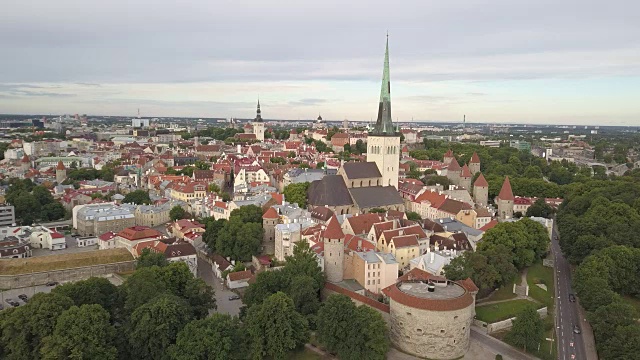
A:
{"x": 33, "y": 202}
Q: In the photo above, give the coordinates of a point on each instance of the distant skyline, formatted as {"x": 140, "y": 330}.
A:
{"x": 544, "y": 62}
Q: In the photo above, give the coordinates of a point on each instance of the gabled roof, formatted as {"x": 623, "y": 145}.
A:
{"x": 475, "y": 159}
{"x": 405, "y": 240}
{"x": 481, "y": 181}
{"x": 375, "y": 196}
{"x": 361, "y": 170}
{"x": 330, "y": 190}
{"x": 489, "y": 225}
{"x": 240, "y": 275}
{"x": 362, "y": 224}
{"x": 505, "y": 192}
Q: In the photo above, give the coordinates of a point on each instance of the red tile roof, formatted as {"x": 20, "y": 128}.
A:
{"x": 362, "y": 224}
{"x": 489, "y": 225}
{"x": 138, "y": 233}
{"x": 454, "y": 166}
{"x": 505, "y": 192}
{"x": 481, "y": 181}
{"x": 405, "y": 241}
{"x": 475, "y": 159}
{"x": 333, "y": 230}
{"x": 450, "y": 304}
{"x": 466, "y": 172}
{"x": 60, "y": 166}
{"x": 271, "y": 213}
{"x": 240, "y": 275}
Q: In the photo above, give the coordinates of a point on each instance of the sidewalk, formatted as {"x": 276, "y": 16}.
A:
{"x": 587, "y": 335}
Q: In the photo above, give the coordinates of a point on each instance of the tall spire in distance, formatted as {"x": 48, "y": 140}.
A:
{"x": 258, "y": 113}
{"x": 384, "y": 125}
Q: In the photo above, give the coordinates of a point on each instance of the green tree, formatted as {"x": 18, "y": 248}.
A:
{"x": 138, "y": 197}
{"x": 303, "y": 261}
{"x": 297, "y": 193}
{"x": 154, "y": 326}
{"x": 267, "y": 283}
{"x": 412, "y": 215}
{"x": 188, "y": 171}
{"x": 180, "y": 282}
{"x": 24, "y": 328}
{"x": 95, "y": 290}
{"x": 148, "y": 259}
{"x": 541, "y": 209}
{"x": 177, "y": 212}
{"x": 212, "y": 228}
{"x": 43, "y": 195}
{"x": 275, "y": 327}
{"x": 247, "y": 214}
{"x": 52, "y": 211}
{"x": 527, "y": 331}
{"x": 335, "y": 319}
{"x": 369, "y": 335}
{"x": 202, "y": 165}
{"x": 81, "y": 333}
{"x": 304, "y": 294}
{"x": 142, "y": 286}
{"x": 219, "y": 337}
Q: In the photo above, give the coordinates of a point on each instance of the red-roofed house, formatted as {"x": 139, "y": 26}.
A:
{"x": 239, "y": 279}
{"x": 179, "y": 251}
{"x": 131, "y": 236}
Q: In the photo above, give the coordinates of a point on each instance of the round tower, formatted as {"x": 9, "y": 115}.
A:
{"x": 505, "y": 200}
{"x": 465, "y": 178}
{"x": 454, "y": 172}
{"x": 25, "y": 163}
{"x": 333, "y": 239}
{"x": 481, "y": 191}
{"x": 474, "y": 164}
{"x": 61, "y": 172}
{"x": 269, "y": 222}
{"x": 448, "y": 156}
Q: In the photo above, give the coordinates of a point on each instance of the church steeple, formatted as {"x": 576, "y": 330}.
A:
{"x": 258, "y": 113}
{"x": 384, "y": 125}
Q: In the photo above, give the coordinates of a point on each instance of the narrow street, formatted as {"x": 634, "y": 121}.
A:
{"x": 225, "y": 306}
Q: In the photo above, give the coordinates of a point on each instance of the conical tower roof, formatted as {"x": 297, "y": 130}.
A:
{"x": 454, "y": 166}
{"x": 481, "y": 181}
{"x": 466, "y": 172}
{"x": 475, "y": 159}
{"x": 25, "y": 159}
{"x": 505, "y": 192}
{"x": 60, "y": 166}
{"x": 384, "y": 125}
{"x": 271, "y": 213}
{"x": 333, "y": 230}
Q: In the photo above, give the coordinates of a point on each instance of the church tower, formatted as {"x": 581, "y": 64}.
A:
{"x": 383, "y": 144}
{"x": 258, "y": 125}
{"x": 61, "y": 173}
{"x": 505, "y": 201}
{"x": 333, "y": 239}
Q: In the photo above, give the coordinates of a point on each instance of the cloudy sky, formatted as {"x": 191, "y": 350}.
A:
{"x": 559, "y": 61}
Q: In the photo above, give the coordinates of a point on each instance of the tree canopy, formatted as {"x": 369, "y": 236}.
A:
{"x": 297, "y": 194}
{"x": 527, "y": 331}
{"x": 138, "y": 197}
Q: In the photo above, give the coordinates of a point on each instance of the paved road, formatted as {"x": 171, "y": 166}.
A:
{"x": 570, "y": 345}
{"x": 498, "y": 347}
{"x": 225, "y": 306}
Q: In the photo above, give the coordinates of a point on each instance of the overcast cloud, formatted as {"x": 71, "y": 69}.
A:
{"x": 505, "y": 61}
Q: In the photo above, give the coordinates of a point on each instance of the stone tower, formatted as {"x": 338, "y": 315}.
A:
{"x": 465, "y": 178}
{"x": 258, "y": 125}
{"x": 481, "y": 191}
{"x": 383, "y": 144}
{"x": 448, "y": 156}
{"x": 333, "y": 239}
{"x": 474, "y": 164}
{"x": 25, "y": 163}
{"x": 269, "y": 222}
{"x": 454, "y": 172}
{"x": 61, "y": 173}
{"x": 505, "y": 201}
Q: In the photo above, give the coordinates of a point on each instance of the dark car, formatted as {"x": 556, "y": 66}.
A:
{"x": 572, "y": 298}
{"x": 234, "y": 297}
{"x": 1, "y": 307}
{"x": 23, "y": 297}
{"x": 52, "y": 283}
{"x": 576, "y": 329}
{"x": 12, "y": 302}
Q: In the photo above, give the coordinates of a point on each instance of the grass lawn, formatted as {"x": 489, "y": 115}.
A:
{"x": 502, "y": 311}
{"x": 63, "y": 261}
{"x": 503, "y": 293}
{"x": 539, "y": 274}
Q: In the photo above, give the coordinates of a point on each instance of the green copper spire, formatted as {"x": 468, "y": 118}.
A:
{"x": 384, "y": 125}
{"x": 258, "y": 113}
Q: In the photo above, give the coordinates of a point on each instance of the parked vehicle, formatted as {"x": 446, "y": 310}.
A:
{"x": 234, "y": 297}
{"x": 23, "y": 297}
{"x": 52, "y": 283}
{"x": 576, "y": 329}
{"x": 572, "y": 298}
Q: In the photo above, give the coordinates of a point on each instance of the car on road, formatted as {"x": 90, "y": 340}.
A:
{"x": 576, "y": 329}
{"x": 1, "y": 307}
{"x": 23, "y": 297}
{"x": 12, "y": 302}
{"x": 572, "y": 298}
{"x": 52, "y": 283}
{"x": 234, "y": 297}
